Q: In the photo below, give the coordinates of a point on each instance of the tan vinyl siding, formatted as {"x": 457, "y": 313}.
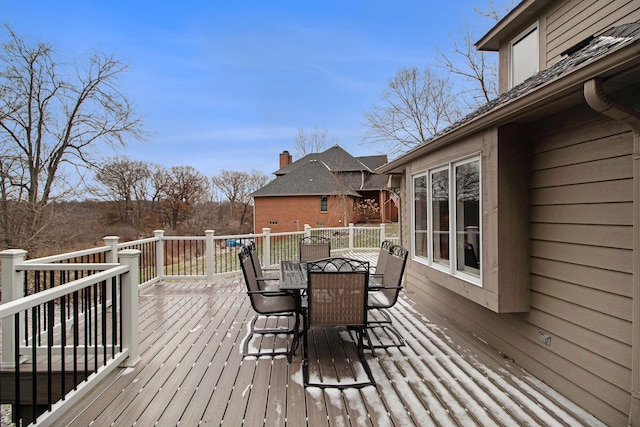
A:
{"x": 580, "y": 266}
{"x": 568, "y": 23}
{"x": 581, "y": 251}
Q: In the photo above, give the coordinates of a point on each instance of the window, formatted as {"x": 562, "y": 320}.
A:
{"x": 324, "y": 204}
{"x": 420, "y": 210}
{"x": 523, "y": 56}
{"x": 468, "y": 217}
{"x": 447, "y": 199}
{"x": 440, "y": 216}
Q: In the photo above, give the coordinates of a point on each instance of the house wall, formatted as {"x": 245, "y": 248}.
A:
{"x": 292, "y": 213}
{"x": 576, "y": 336}
{"x": 564, "y": 24}
{"x": 504, "y": 157}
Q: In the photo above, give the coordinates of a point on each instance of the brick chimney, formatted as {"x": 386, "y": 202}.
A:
{"x": 285, "y": 159}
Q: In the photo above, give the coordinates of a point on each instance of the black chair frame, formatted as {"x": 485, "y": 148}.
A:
{"x": 391, "y": 287}
{"x": 335, "y": 309}
{"x": 268, "y": 303}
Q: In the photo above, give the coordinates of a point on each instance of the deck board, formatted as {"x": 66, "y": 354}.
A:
{"x": 192, "y": 372}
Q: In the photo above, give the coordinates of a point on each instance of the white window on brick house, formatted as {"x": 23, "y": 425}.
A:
{"x": 324, "y": 204}
{"x": 523, "y": 56}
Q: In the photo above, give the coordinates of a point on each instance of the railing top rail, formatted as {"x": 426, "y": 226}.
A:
{"x": 30, "y": 266}
{"x": 182, "y": 238}
{"x": 13, "y": 307}
{"x": 238, "y": 236}
{"x": 287, "y": 233}
{"x": 68, "y": 255}
{"x": 137, "y": 242}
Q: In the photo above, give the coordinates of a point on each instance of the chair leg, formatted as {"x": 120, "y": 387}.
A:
{"x": 362, "y": 332}
{"x": 257, "y": 331}
{"x": 387, "y": 326}
{"x": 384, "y": 313}
{"x": 305, "y": 352}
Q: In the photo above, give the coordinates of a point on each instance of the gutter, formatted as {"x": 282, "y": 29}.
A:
{"x": 599, "y": 101}
{"x": 535, "y": 100}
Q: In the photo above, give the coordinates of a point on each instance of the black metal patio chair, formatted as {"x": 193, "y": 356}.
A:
{"x": 337, "y": 297}
{"x": 387, "y": 295}
{"x": 268, "y": 303}
{"x": 314, "y": 247}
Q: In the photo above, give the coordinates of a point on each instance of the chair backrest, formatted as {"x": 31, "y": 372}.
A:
{"x": 255, "y": 259}
{"x": 385, "y": 248}
{"x": 314, "y": 247}
{"x": 337, "y": 292}
{"x": 261, "y": 303}
{"x": 392, "y": 279}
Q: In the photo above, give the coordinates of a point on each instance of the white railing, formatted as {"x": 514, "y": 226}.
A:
{"x": 68, "y": 333}
{"x": 204, "y": 257}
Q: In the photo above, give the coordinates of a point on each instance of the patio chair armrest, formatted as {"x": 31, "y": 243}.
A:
{"x": 273, "y": 293}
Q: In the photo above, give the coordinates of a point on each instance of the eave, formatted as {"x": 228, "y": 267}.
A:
{"x": 560, "y": 93}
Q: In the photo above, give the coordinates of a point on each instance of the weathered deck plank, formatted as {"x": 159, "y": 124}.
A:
{"x": 192, "y": 372}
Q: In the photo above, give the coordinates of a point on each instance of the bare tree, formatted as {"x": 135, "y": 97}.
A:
{"x": 184, "y": 189}
{"x": 127, "y": 184}
{"x": 415, "y": 106}
{"x": 478, "y": 70}
{"x": 306, "y": 142}
{"x": 237, "y": 187}
{"x": 51, "y": 120}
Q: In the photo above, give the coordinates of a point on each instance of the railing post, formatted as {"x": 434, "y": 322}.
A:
{"x": 159, "y": 234}
{"x": 266, "y": 247}
{"x": 351, "y": 233}
{"x": 383, "y": 235}
{"x": 307, "y": 230}
{"x": 210, "y": 252}
{"x": 112, "y": 257}
{"x": 129, "y": 303}
{"x": 12, "y": 289}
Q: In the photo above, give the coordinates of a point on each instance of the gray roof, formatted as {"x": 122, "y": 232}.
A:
{"x": 584, "y": 53}
{"x": 591, "y": 48}
{"x": 331, "y": 172}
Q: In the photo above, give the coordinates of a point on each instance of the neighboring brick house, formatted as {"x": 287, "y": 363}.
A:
{"x": 326, "y": 189}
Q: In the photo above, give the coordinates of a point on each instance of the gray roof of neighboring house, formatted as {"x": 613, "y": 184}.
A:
{"x": 331, "y": 172}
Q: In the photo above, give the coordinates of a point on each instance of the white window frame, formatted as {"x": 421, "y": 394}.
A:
{"x": 414, "y": 254}
{"x": 324, "y": 204}
{"x": 512, "y": 63}
{"x": 453, "y": 253}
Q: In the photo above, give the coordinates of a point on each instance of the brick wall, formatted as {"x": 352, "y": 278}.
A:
{"x": 292, "y": 213}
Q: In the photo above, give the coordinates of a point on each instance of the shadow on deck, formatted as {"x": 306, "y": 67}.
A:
{"x": 192, "y": 372}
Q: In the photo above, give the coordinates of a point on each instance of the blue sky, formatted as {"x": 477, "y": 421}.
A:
{"x": 227, "y": 84}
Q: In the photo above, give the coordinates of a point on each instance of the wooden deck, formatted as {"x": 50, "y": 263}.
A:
{"x": 192, "y": 372}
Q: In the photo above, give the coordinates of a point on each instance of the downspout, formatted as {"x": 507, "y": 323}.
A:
{"x": 601, "y": 103}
